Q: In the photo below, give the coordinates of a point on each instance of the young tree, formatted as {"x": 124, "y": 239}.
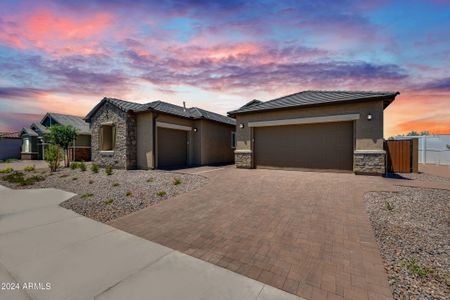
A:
{"x": 63, "y": 136}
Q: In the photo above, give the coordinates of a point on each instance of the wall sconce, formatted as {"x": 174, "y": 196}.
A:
{"x": 369, "y": 117}
{"x": 241, "y": 125}
{"x": 195, "y": 129}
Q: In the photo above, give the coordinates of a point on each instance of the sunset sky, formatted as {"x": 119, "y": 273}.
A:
{"x": 64, "y": 57}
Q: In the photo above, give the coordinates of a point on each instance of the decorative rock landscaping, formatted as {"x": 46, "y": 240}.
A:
{"x": 412, "y": 230}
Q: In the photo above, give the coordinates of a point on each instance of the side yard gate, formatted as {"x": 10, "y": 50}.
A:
{"x": 402, "y": 156}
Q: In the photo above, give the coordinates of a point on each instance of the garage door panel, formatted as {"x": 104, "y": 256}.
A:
{"x": 312, "y": 146}
{"x": 172, "y": 148}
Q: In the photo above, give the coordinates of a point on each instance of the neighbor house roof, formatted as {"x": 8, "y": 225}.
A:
{"x": 163, "y": 107}
{"x": 39, "y": 127}
{"x": 74, "y": 121}
{"x": 9, "y": 135}
{"x": 311, "y": 98}
{"x": 28, "y": 131}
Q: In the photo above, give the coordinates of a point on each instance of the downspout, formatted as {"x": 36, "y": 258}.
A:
{"x": 155, "y": 116}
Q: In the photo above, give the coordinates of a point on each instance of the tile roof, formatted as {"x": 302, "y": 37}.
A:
{"x": 9, "y": 135}
{"x": 75, "y": 121}
{"x": 164, "y": 107}
{"x": 307, "y": 98}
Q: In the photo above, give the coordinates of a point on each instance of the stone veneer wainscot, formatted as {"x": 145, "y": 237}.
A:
{"x": 370, "y": 162}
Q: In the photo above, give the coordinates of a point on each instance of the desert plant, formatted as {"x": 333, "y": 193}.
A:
{"x": 73, "y": 165}
{"x": 448, "y": 147}
{"x": 64, "y": 175}
{"x": 10, "y": 160}
{"x": 108, "y": 170}
{"x": 129, "y": 194}
{"x": 94, "y": 168}
{"x": 151, "y": 179}
{"x": 161, "y": 193}
{"x": 177, "y": 181}
{"x": 82, "y": 166}
{"x": 20, "y": 179}
{"x": 415, "y": 269}
{"x": 115, "y": 184}
{"x": 74, "y": 178}
{"x": 63, "y": 136}
{"x": 53, "y": 156}
{"x": 87, "y": 195}
{"x": 91, "y": 181}
{"x": 6, "y": 170}
{"x": 29, "y": 168}
{"x": 109, "y": 201}
{"x": 389, "y": 206}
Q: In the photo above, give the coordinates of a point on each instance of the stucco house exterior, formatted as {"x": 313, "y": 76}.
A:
{"x": 158, "y": 135}
{"x": 324, "y": 130}
{"x": 34, "y": 143}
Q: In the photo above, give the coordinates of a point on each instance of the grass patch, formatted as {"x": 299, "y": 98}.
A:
{"x": 29, "y": 168}
{"x": 108, "y": 202}
{"x": 74, "y": 165}
{"x": 129, "y": 194}
{"x": 161, "y": 193}
{"x": 91, "y": 181}
{"x": 87, "y": 195}
{"x": 389, "y": 206}
{"x": 82, "y": 166}
{"x": 115, "y": 184}
{"x": 177, "y": 181}
{"x": 94, "y": 168}
{"x": 6, "y": 170}
{"x": 64, "y": 176}
{"x": 20, "y": 179}
{"x": 10, "y": 160}
{"x": 151, "y": 179}
{"x": 108, "y": 170}
{"x": 74, "y": 178}
{"x": 415, "y": 269}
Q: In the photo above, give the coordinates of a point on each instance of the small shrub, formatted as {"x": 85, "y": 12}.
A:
{"x": 6, "y": 170}
{"x": 91, "y": 181}
{"x": 53, "y": 156}
{"x": 109, "y": 201}
{"x": 74, "y": 165}
{"x": 108, "y": 170}
{"x": 115, "y": 184}
{"x": 177, "y": 181}
{"x": 389, "y": 206}
{"x": 11, "y": 160}
{"x": 29, "y": 168}
{"x": 94, "y": 168}
{"x": 129, "y": 194}
{"x": 151, "y": 179}
{"x": 415, "y": 269}
{"x": 161, "y": 193}
{"x": 64, "y": 176}
{"x": 82, "y": 166}
{"x": 87, "y": 195}
{"x": 20, "y": 179}
{"x": 74, "y": 178}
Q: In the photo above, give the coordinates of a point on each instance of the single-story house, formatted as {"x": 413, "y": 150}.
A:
{"x": 158, "y": 135}
{"x": 34, "y": 143}
{"x": 325, "y": 130}
{"x": 10, "y": 144}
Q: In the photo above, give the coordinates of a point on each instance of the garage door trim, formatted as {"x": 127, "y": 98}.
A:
{"x": 173, "y": 126}
{"x": 306, "y": 120}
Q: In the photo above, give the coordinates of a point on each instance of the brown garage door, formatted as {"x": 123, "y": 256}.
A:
{"x": 327, "y": 146}
{"x": 172, "y": 148}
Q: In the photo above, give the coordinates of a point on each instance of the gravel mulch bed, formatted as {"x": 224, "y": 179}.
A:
{"x": 425, "y": 177}
{"x": 412, "y": 230}
{"x": 105, "y": 198}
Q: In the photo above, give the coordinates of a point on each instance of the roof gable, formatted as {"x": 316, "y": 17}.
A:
{"x": 67, "y": 120}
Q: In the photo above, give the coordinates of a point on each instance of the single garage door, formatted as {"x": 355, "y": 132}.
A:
{"x": 172, "y": 148}
{"x": 326, "y": 146}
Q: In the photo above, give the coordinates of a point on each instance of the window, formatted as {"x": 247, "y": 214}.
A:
{"x": 107, "y": 137}
{"x": 233, "y": 140}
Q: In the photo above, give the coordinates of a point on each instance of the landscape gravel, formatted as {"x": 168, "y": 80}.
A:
{"x": 412, "y": 228}
{"x": 424, "y": 177}
{"x": 105, "y": 198}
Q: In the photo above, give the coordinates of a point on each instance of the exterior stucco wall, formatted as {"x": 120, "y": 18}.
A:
{"x": 125, "y": 152}
{"x": 145, "y": 141}
{"x": 216, "y": 146}
{"x": 10, "y": 148}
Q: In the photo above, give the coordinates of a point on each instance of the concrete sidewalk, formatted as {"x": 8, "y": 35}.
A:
{"x": 79, "y": 258}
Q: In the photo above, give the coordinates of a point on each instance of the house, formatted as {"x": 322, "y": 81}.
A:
{"x": 33, "y": 137}
{"x": 158, "y": 135}
{"x": 324, "y": 130}
{"x": 10, "y": 143}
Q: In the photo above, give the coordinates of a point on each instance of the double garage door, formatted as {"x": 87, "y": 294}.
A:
{"x": 172, "y": 148}
{"x": 326, "y": 146}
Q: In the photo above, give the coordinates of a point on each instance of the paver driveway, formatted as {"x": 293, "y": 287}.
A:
{"x": 304, "y": 232}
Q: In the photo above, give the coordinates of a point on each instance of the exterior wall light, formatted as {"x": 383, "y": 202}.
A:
{"x": 369, "y": 117}
{"x": 241, "y": 125}
{"x": 195, "y": 129}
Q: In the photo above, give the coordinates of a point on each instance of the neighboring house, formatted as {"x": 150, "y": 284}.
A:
{"x": 325, "y": 130}
{"x": 158, "y": 135}
{"x": 10, "y": 143}
{"x": 34, "y": 143}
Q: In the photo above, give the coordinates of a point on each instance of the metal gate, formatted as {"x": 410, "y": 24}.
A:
{"x": 402, "y": 156}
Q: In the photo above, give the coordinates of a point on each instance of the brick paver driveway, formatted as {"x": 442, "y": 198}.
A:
{"x": 304, "y": 232}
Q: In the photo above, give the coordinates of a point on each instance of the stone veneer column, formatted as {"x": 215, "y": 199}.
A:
{"x": 369, "y": 162}
{"x": 243, "y": 159}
